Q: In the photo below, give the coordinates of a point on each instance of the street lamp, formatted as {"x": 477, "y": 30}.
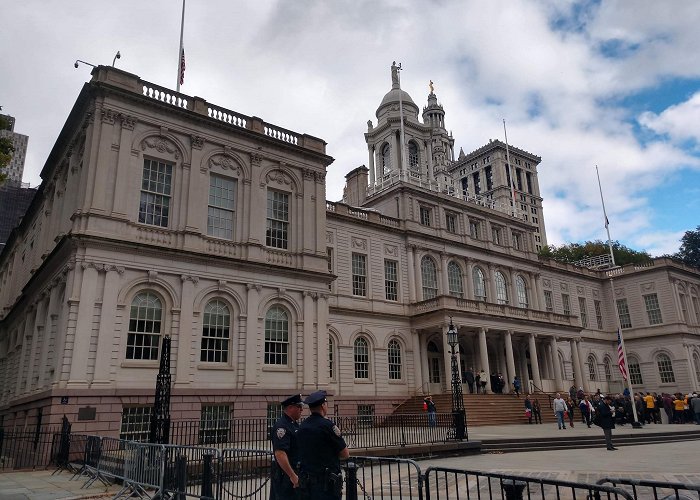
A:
{"x": 458, "y": 415}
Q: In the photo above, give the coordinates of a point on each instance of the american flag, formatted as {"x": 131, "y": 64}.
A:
{"x": 182, "y": 66}
{"x": 621, "y": 356}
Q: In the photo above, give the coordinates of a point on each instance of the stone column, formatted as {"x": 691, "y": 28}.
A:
{"x": 372, "y": 172}
{"x": 417, "y": 277}
{"x": 411, "y": 274}
{"x": 444, "y": 288}
{"x": 105, "y": 336}
{"x": 83, "y": 328}
{"x": 555, "y": 363}
{"x": 535, "y": 292}
{"x": 122, "y": 178}
{"x": 431, "y": 166}
{"x": 252, "y": 340}
{"x": 396, "y": 156}
{"x": 194, "y": 188}
{"x": 691, "y": 369}
{"x": 322, "y": 334}
{"x": 484, "y": 356}
{"x": 584, "y": 374}
{"x": 534, "y": 361}
{"x": 510, "y": 359}
{"x": 578, "y": 376}
{"x": 48, "y": 339}
{"x": 185, "y": 347}
{"x": 469, "y": 281}
{"x": 491, "y": 285}
{"x": 23, "y": 361}
{"x": 37, "y": 339}
{"x": 417, "y": 361}
{"x": 309, "y": 383}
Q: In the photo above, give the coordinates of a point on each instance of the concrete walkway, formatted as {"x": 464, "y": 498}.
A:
{"x": 675, "y": 462}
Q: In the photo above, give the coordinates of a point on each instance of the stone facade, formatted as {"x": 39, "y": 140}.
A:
{"x": 160, "y": 214}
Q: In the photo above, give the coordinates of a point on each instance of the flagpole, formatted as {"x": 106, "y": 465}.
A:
{"x": 179, "y": 54}
{"x": 404, "y": 167}
{"x": 628, "y": 379}
{"x": 510, "y": 168}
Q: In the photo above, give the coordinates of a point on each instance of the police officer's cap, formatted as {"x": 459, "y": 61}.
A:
{"x": 316, "y": 398}
{"x": 292, "y": 400}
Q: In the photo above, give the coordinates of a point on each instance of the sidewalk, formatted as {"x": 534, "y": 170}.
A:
{"x": 676, "y": 462}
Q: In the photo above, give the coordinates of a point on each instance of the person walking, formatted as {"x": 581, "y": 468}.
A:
{"x": 559, "y": 409}
{"x": 285, "y": 466}
{"x": 570, "y": 405}
{"x": 516, "y": 386}
{"x": 537, "y": 411}
{"x": 695, "y": 406}
{"x": 469, "y": 379}
{"x": 606, "y": 420}
{"x": 586, "y": 411}
{"x": 477, "y": 381}
{"x": 321, "y": 448}
{"x": 431, "y": 409}
{"x": 483, "y": 381}
{"x": 528, "y": 409}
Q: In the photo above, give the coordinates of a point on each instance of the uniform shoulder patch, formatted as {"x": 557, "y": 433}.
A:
{"x": 281, "y": 432}
{"x": 336, "y": 430}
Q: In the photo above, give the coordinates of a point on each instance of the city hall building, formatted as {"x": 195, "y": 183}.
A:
{"x": 162, "y": 214}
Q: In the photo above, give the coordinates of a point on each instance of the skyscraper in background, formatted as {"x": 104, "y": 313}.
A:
{"x": 15, "y": 169}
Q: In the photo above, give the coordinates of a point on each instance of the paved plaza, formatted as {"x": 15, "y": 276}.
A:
{"x": 675, "y": 461}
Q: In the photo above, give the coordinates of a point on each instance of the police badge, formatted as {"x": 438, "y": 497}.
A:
{"x": 280, "y": 433}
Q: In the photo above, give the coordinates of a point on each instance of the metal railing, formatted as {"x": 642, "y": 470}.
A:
{"x": 658, "y": 490}
{"x": 20, "y": 449}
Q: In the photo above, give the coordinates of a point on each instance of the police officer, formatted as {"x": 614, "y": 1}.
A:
{"x": 321, "y": 447}
{"x": 285, "y": 446}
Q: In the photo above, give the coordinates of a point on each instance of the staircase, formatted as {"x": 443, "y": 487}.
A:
{"x": 485, "y": 409}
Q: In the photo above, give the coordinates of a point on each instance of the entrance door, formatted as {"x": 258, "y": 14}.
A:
{"x": 434, "y": 369}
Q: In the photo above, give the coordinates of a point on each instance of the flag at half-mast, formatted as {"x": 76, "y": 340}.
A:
{"x": 182, "y": 65}
{"x": 621, "y": 355}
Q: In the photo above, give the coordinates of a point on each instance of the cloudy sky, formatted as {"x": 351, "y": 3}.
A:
{"x": 580, "y": 83}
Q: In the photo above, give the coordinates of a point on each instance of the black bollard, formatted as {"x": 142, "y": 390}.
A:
{"x": 180, "y": 477}
{"x": 207, "y": 476}
{"x": 513, "y": 489}
{"x": 351, "y": 481}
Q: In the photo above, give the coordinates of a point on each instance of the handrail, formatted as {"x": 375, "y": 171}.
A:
{"x": 549, "y": 397}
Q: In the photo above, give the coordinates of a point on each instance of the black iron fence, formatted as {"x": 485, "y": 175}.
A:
{"x": 28, "y": 449}
{"x": 658, "y": 490}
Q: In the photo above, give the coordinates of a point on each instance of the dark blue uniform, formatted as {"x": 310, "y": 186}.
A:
{"x": 284, "y": 438}
{"x": 320, "y": 442}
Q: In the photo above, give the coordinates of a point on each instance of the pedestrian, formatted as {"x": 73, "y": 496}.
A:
{"x": 605, "y": 418}
{"x": 477, "y": 381}
{"x": 649, "y": 407}
{"x": 321, "y": 447}
{"x": 570, "y": 405}
{"x": 695, "y": 406}
{"x": 430, "y": 407}
{"x": 528, "y": 409}
{"x": 482, "y": 375}
{"x": 469, "y": 379}
{"x": 559, "y": 409}
{"x": 537, "y": 411}
{"x": 285, "y": 465}
{"x": 586, "y": 411}
{"x": 516, "y": 386}
{"x": 678, "y": 409}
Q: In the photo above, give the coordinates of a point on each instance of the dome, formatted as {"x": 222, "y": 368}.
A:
{"x": 392, "y": 98}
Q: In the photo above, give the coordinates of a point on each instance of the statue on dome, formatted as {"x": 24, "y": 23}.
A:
{"x": 430, "y": 85}
{"x": 395, "y": 74}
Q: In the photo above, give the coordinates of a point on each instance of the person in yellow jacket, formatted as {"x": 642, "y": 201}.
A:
{"x": 679, "y": 409}
{"x": 650, "y": 406}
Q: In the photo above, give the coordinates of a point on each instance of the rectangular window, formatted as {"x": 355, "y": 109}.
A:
{"x": 651, "y": 302}
{"x": 365, "y": 415}
{"x": 391, "y": 280}
{"x": 489, "y": 178}
{"x": 277, "y": 234}
{"x": 548, "y": 302}
{"x": 519, "y": 178}
{"x": 477, "y": 183}
{"x": 684, "y": 307}
{"x": 517, "y": 241}
{"x": 359, "y": 274}
{"x": 215, "y": 424}
{"x": 496, "y": 235}
{"x": 623, "y": 313}
{"x": 566, "y": 304}
{"x": 434, "y": 370}
{"x": 528, "y": 179}
{"x": 451, "y": 223}
{"x": 635, "y": 373}
{"x": 154, "y": 206}
{"x": 136, "y": 423}
{"x": 221, "y": 207}
{"x": 696, "y": 308}
{"x": 474, "y": 229}
{"x": 598, "y": 314}
{"x": 583, "y": 311}
{"x": 465, "y": 186}
{"x": 425, "y": 216}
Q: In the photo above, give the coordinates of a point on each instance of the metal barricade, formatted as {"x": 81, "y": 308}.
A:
{"x": 144, "y": 469}
{"x": 375, "y": 477}
{"x": 444, "y": 483}
{"x": 243, "y": 474}
{"x": 658, "y": 490}
{"x": 189, "y": 471}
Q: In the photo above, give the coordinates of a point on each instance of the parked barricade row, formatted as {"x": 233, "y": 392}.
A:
{"x": 379, "y": 478}
{"x": 658, "y": 490}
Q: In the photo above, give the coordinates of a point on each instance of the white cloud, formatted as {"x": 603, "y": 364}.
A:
{"x": 679, "y": 122}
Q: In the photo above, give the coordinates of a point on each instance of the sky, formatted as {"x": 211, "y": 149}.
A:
{"x": 580, "y": 83}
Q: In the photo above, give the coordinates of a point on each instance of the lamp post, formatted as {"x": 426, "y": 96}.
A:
{"x": 458, "y": 416}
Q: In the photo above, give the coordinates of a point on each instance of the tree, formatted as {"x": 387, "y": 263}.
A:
{"x": 573, "y": 252}
{"x": 6, "y": 150}
{"x": 689, "y": 251}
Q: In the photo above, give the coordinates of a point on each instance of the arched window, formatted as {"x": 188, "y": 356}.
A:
{"x": 454, "y": 277}
{"x": 394, "y": 354}
{"x": 413, "y": 156}
{"x": 145, "y": 321}
{"x": 501, "y": 289}
{"x": 276, "y": 336}
{"x": 479, "y": 284}
{"x": 608, "y": 371}
{"x": 665, "y": 369}
{"x": 215, "y": 332}
{"x": 635, "y": 371}
{"x": 331, "y": 356}
{"x": 592, "y": 368}
{"x": 429, "y": 274}
{"x": 521, "y": 289}
{"x": 361, "y": 354}
{"x": 386, "y": 158}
